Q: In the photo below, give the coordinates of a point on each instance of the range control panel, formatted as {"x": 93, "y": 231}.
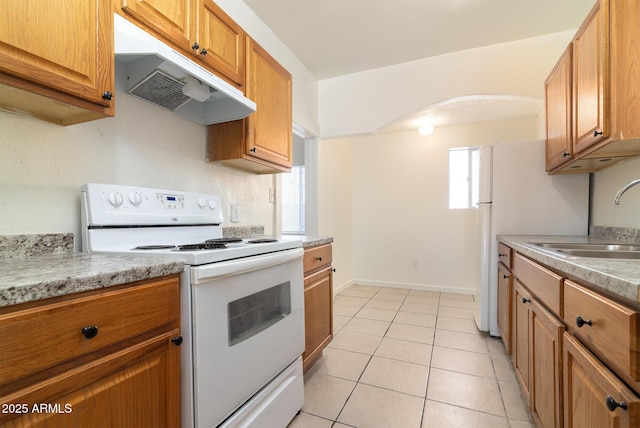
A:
{"x": 117, "y": 205}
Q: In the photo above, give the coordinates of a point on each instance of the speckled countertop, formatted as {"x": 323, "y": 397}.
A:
{"x": 314, "y": 241}
{"x": 620, "y": 277}
{"x": 34, "y": 267}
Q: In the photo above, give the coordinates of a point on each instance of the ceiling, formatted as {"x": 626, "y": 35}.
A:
{"x": 337, "y": 37}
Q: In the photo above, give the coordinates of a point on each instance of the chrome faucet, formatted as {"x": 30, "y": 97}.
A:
{"x": 616, "y": 201}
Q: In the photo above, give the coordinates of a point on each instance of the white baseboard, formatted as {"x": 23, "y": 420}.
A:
{"x": 413, "y": 286}
{"x": 340, "y": 288}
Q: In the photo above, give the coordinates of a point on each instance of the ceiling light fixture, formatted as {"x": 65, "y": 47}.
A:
{"x": 425, "y": 130}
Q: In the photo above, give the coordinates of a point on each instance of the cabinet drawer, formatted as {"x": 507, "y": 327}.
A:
{"x": 316, "y": 258}
{"x": 41, "y": 337}
{"x": 609, "y": 329}
{"x": 544, "y": 284}
{"x": 505, "y": 255}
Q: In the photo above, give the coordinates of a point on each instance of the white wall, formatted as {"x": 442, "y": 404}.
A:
{"x": 43, "y": 166}
{"x": 335, "y": 207}
{"x": 362, "y": 103}
{"x": 400, "y": 214}
{"x": 606, "y": 184}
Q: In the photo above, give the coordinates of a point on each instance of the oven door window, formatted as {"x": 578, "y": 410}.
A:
{"x": 257, "y": 312}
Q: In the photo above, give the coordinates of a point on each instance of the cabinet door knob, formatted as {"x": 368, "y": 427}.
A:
{"x": 334, "y": 269}
{"x": 107, "y": 96}
{"x": 505, "y": 276}
{"x": 580, "y": 322}
{"x": 177, "y": 340}
{"x": 195, "y": 46}
{"x": 596, "y": 133}
{"x": 613, "y": 404}
{"x": 319, "y": 259}
{"x": 565, "y": 154}
{"x": 90, "y": 332}
{"x": 525, "y": 300}
{"x": 203, "y": 52}
{"x": 252, "y": 150}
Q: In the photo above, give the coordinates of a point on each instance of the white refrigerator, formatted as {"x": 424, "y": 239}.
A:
{"x": 518, "y": 197}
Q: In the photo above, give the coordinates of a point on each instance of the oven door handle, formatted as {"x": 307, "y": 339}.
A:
{"x": 208, "y": 272}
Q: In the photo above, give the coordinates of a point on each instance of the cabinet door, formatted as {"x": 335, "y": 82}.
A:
{"x": 223, "y": 40}
{"x": 66, "y": 46}
{"x": 521, "y": 308}
{"x": 546, "y": 367}
{"x": 504, "y": 305}
{"x": 270, "y": 127}
{"x": 138, "y": 386}
{"x": 172, "y": 20}
{"x": 588, "y": 386}
{"x": 590, "y": 79}
{"x": 559, "y": 148}
{"x": 318, "y": 314}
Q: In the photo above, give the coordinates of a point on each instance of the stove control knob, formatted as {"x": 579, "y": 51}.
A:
{"x": 202, "y": 202}
{"x": 212, "y": 204}
{"x": 135, "y": 198}
{"x": 115, "y": 199}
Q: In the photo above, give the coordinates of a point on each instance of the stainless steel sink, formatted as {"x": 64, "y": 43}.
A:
{"x": 587, "y": 246}
{"x": 603, "y": 254}
{"x": 591, "y": 250}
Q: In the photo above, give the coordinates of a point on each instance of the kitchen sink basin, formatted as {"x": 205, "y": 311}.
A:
{"x": 591, "y": 250}
{"x": 590, "y": 247}
{"x": 602, "y": 254}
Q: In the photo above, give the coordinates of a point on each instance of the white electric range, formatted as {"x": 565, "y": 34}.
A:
{"x": 242, "y": 304}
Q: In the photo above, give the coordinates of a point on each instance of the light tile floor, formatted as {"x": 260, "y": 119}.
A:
{"x": 410, "y": 359}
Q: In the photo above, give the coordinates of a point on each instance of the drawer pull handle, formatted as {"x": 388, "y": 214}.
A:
{"x": 613, "y": 404}
{"x": 90, "y": 332}
{"x": 319, "y": 259}
{"x": 502, "y": 255}
{"x": 580, "y": 322}
{"x": 525, "y": 300}
{"x": 177, "y": 340}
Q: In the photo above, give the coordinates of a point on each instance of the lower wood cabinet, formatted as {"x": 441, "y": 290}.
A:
{"x": 110, "y": 359}
{"x": 318, "y": 302}
{"x": 546, "y": 367}
{"x": 594, "y": 396}
{"x": 574, "y": 350}
{"x": 505, "y": 292}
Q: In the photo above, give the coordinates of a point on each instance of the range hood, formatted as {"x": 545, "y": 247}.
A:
{"x": 160, "y": 75}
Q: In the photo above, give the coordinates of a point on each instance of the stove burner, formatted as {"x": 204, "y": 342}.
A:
{"x": 262, "y": 241}
{"x": 201, "y": 246}
{"x": 223, "y": 241}
{"x": 154, "y": 247}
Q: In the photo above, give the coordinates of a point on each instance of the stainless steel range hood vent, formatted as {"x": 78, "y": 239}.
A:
{"x": 162, "y": 76}
{"x": 161, "y": 89}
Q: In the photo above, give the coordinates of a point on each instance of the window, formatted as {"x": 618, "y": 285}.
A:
{"x": 464, "y": 177}
{"x": 293, "y": 200}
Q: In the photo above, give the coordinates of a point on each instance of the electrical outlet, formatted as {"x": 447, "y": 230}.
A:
{"x": 272, "y": 195}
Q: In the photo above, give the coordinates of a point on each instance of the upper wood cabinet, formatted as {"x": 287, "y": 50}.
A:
{"x": 171, "y": 20}
{"x": 261, "y": 142}
{"x": 590, "y": 79}
{"x": 198, "y": 28}
{"x": 223, "y": 40}
{"x": 558, "y": 89}
{"x": 605, "y": 90}
{"x": 56, "y": 60}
